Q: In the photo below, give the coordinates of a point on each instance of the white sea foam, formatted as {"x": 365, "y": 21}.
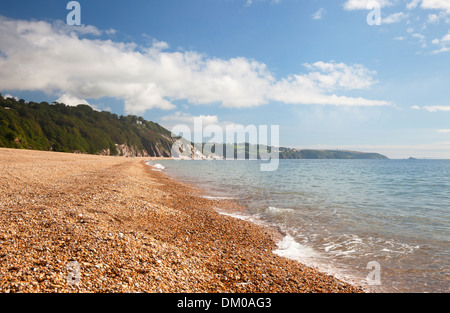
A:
{"x": 291, "y": 249}
{"x": 157, "y": 166}
{"x": 274, "y": 210}
{"x": 353, "y": 245}
{"x": 254, "y": 218}
{"x": 238, "y": 216}
{"x": 217, "y": 198}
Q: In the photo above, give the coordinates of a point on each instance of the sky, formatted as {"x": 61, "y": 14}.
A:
{"x": 363, "y": 75}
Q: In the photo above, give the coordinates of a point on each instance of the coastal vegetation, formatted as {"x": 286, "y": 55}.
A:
{"x": 81, "y": 129}
{"x": 287, "y": 153}
{"x": 249, "y": 151}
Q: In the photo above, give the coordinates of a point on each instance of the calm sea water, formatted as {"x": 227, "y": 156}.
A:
{"x": 383, "y": 224}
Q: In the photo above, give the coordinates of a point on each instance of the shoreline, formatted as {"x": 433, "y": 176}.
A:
{"x": 286, "y": 245}
{"x": 84, "y": 223}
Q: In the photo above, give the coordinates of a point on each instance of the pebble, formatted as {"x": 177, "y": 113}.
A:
{"x": 155, "y": 250}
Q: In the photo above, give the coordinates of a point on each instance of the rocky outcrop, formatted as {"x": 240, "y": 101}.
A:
{"x": 125, "y": 150}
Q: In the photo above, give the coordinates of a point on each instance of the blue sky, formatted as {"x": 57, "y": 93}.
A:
{"x": 316, "y": 68}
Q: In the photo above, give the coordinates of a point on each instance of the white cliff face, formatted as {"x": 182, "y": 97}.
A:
{"x": 182, "y": 149}
{"x": 196, "y": 154}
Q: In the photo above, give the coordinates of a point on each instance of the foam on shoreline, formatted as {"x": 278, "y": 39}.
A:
{"x": 155, "y": 167}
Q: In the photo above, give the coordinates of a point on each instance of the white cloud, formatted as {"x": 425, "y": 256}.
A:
{"x": 365, "y": 4}
{"x": 10, "y": 96}
{"x": 38, "y": 55}
{"x": 319, "y": 14}
{"x": 441, "y": 6}
{"x": 71, "y": 100}
{"x": 446, "y": 38}
{"x": 441, "y": 50}
{"x": 433, "y": 108}
{"x": 181, "y": 117}
{"x": 436, "y": 4}
{"x": 421, "y": 38}
{"x": 394, "y": 18}
{"x": 250, "y": 2}
{"x": 438, "y": 41}
{"x": 55, "y": 61}
{"x": 339, "y": 75}
{"x": 413, "y": 4}
{"x": 437, "y": 108}
{"x": 430, "y": 5}
{"x": 445, "y": 131}
{"x": 433, "y": 18}
{"x": 211, "y": 128}
{"x": 74, "y": 101}
{"x": 64, "y": 28}
{"x": 444, "y": 44}
{"x": 436, "y": 11}
{"x": 317, "y": 86}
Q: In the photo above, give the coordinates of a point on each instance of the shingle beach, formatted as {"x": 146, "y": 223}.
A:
{"x": 96, "y": 224}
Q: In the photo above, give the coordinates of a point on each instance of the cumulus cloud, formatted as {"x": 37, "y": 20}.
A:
{"x": 442, "y": 6}
{"x": 62, "y": 60}
{"x": 365, "y": 4}
{"x": 434, "y": 18}
{"x": 203, "y": 128}
{"x": 71, "y": 100}
{"x": 10, "y": 96}
{"x": 436, "y": 4}
{"x": 74, "y": 101}
{"x": 443, "y": 43}
{"x": 317, "y": 86}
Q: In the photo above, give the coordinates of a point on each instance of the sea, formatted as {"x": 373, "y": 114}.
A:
{"x": 381, "y": 224}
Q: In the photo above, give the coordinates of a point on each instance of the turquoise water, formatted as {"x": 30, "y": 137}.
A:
{"x": 340, "y": 215}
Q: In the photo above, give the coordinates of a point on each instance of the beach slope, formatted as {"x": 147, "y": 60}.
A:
{"x": 84, "y": 223}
